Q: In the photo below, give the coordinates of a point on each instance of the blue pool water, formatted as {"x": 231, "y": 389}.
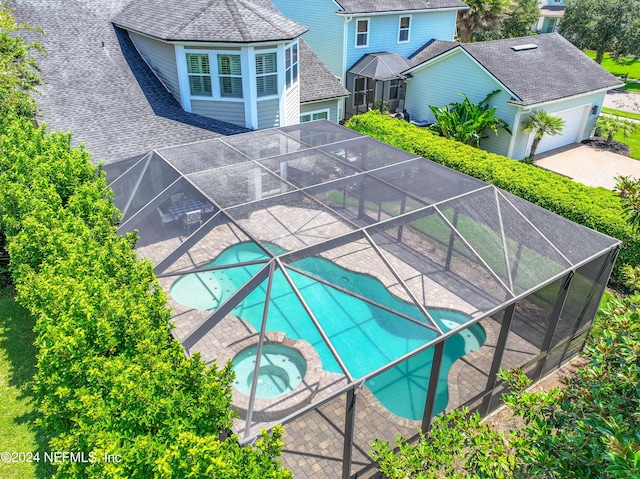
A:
{"x": 281, "y": 370}
{"x": 350, "y": 323}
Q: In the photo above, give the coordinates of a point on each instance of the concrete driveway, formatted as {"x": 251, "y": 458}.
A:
{"x": 588, "y": 165}
{"x": 622, "y": 100}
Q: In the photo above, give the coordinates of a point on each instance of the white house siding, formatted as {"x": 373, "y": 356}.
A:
{"x": 588, "y": 101}
{"x": 161, "y": 58}
{"x": 292, "y": 105}
{"x": 383, "y": 33}
{"x": 331, "y": 105}
{"x": 326, "y": 29}
{"x": 269, "y": 113}
{"x": 229, "y": 111}
{"x": 443, "y": 81}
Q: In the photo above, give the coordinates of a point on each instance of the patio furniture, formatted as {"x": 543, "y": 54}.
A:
{"x": 192, "y": 219}
{"x": 179, "y": 209}
{"x": 165, "y": 218}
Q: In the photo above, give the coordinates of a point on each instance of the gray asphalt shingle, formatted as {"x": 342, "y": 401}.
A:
{"x": 106, "y": 95}
{"x": 316, "y": 81}
{"x": 553, "y": 70}
{"x": 235, "y": 21}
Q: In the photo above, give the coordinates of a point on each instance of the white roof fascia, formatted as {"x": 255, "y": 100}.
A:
{"x": 551, "y": 102}
{"x": 402, "y": 12}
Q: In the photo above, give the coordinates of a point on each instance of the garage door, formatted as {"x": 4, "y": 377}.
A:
{"x": 571, "y": 133}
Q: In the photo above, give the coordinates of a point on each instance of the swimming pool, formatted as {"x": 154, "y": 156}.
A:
{"x": 350, "y": 323}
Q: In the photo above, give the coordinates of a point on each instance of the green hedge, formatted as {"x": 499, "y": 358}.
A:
{"x": 595, "y": 208}
{"x": 111, "y": 379}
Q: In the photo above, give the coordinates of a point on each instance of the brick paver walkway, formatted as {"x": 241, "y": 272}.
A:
{"x": 588, "y": 165}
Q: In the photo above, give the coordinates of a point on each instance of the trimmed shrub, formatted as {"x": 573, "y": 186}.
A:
{"x": 596, "y": 208}
{"x": 111, "y": 379}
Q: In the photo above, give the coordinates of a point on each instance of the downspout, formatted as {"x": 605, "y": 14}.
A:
{"x": 345, "y": 30}
{"x": 514, "y": 131}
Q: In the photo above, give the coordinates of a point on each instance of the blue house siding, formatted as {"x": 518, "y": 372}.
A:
{"x": 445, "y": 81}
{"x": 383, "y": 33}
{"x": 268, "y": 113}
{"x": 326, "y": 29}
{"x": 161, "y": 58}
{"x": 229, "y": 111}
{"x": 318, "y": 106}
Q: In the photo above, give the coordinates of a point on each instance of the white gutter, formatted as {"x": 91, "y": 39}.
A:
{"x": 550, "y": 102}
{"x": 402, "y": 12}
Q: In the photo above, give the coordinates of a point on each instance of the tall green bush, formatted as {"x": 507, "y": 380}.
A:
{"x": 595, "y": 208}
{"x": 111, "y": 379}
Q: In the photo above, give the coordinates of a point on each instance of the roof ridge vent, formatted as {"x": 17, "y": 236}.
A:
{"x": 526, "y": 46}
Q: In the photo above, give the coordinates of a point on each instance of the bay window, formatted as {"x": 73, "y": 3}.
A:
{"x": 266, "y": 74}
{"x": 291, "y": 64}
{"x": 230, "y": 74}
{"x": 199, "y": 72}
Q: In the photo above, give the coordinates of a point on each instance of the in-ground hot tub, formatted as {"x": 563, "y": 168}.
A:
{"x": 288, "y": 376}
{"x": 281, "y": 370}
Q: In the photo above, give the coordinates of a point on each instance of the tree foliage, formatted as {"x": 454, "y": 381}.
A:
{"x": 522, "y": 17}
{"x": 604, "y": 26}
{"x": 19, "y": 72}
{"x": 481, "y": 16}
{"x": 590, "y": 428}
{"x": 466, "y": 121}
{"x": 542, "y": 123}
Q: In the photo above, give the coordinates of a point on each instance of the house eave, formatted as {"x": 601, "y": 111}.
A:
{"x": 531, "y": 106}
{"x": 396, "y": 12}
{"x": 183, "y": 41}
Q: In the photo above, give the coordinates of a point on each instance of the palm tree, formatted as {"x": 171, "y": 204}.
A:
{"x": 610, "y": 125}
{"x": 542, "y": 123}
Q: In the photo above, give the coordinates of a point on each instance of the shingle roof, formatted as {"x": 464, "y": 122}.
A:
{"x": 316, "y": 81}
{"x": 555, "y": 69}
{"x": 379, "y": 6}
{"x": 97, "y": 85}
{"x": 432, "y": 49}
{"x": 553, "y": 8}
{"x": 228, "y": 21}
{"x": 381, "y": 66}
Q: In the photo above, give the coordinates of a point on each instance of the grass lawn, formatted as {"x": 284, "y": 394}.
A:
{"x": 17, "y": 405}
{"x": 631, "y": 86}
{"x": 633, "y": 140}
{"x": 623, "y": 114}
{"x": 626, "y": 66}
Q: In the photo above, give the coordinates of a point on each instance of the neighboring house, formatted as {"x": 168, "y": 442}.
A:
{"x": 239, "y": 61}
{"x": 551, "y": 12}
{"x": 342, "y": 32}
{"x": 542, "y": 72}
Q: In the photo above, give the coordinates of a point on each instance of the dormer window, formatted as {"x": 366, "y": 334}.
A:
{"x": 362, "y": 33}
{"x": 403, "y": 29}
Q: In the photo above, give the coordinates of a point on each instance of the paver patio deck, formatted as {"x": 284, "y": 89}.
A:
{"x": 314, "y": 441}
